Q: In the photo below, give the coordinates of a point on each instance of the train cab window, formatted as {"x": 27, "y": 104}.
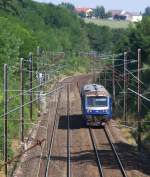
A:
{"x": 96, "y": 101}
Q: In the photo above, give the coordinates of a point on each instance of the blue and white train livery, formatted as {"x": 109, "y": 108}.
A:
{"x": 96, "y": 104}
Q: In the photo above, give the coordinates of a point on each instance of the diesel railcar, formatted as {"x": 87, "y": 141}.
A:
{"x": 96, "y": 105}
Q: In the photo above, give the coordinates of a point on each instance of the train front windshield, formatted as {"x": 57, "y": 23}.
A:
{"x": 96, "y": 101}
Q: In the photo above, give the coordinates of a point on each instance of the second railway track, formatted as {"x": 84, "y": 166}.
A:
{"x": 53, "y": 140}
{"x": 51, "y": 143}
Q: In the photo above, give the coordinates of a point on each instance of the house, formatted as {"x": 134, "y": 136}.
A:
{"x": 87, "y": 11}
{"x": 134, "y": 17}
{"x": 118, "y": 14}
{"x": 124, "y": 15}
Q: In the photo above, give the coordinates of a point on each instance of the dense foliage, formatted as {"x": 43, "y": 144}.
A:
{"x": 135, "y": 37}
{"x": 68, "y": 6}
{"x": 25, "y": 24}
{"x": 51, "y": 27}
{"x": 147, "y": 11}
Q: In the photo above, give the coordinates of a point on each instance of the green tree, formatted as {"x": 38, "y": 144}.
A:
{"x": 108, "y": 14}
{"x": 135, "y": 37}
{"x": 100, "y": 37}
{"x": 100, "y": 12}
{"x": 147, "y": 11}
{"x": 8, "y": 5}
{"x": 68, "y": 6}
{"x": 82, "y": 14}
{"x": 9, "y": 43}
{"x": 5, "y": 3}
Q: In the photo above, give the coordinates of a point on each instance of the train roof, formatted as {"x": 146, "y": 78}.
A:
{"x": 95, "y": 89}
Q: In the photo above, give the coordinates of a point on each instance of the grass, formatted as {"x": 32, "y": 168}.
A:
{"x": 110, "y": 23}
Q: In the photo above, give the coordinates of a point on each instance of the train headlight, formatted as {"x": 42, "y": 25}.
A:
{"x": 88, "y": 110}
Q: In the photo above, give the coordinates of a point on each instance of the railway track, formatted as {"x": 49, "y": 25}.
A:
{"x": 53, "y": 135}
{"x": 51, "y": 143}
{"x": 124, "y": 174}
{"x": 71, "y": 149}
{"x": 98, "y": 154}
{"x": 99, "y": 163}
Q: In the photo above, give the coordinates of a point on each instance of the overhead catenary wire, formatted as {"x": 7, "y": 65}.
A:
{"x": 36, "y": 86}
{"x": 119, "y": 85}
{"x": 42, "y": 84}
{"x": 15, "y": 77}
{"x": 147, "y": 99}
{"x": 117, "y": 73}
{"x": 135, "y": 77}
{"x": 18, "y": 108}
{"x": 31, "y": 90}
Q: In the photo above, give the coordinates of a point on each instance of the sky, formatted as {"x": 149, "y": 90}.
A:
{"x": 130, "y": 5}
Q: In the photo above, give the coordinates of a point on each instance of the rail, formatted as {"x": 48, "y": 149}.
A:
{"x": 52, "y": 138}
{"x": 68, "y": 134}
{"x": 115, "y": 153}
{"x": 100, "y": 168}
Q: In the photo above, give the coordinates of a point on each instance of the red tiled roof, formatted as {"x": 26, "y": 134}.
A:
{"x": 84, "y": 9}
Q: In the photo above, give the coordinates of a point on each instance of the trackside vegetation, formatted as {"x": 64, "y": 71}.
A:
{"x": 135, "y": 37}
{"x": 25, "y": 24}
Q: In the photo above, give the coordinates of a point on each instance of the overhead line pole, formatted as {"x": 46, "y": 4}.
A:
{"x": 21, "y": 102}
{"x": 38, "y": 80}
{"x": 114, "y": 87}
{"x": 105, "y": 78}
{"x": 30, "y": 78}
{"x": 5, "y": 116}
{"x": 94, "y": 74}
{"x": 99, "y": 78}
{"x": 125, "y": 89}
{"x": 139, "y": 100}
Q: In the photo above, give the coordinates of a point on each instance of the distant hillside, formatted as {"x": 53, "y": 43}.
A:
{"x": 110, "y": 23}
{"x": 30, "y": 24}
{"x": 25, "y": 24}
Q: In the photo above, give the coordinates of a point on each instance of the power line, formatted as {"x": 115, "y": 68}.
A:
{"x": 147, "y": 99}
{"x": 134, "y": 76}
{"x": 142, "y": 69}
{"x": 17, "y": 108}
